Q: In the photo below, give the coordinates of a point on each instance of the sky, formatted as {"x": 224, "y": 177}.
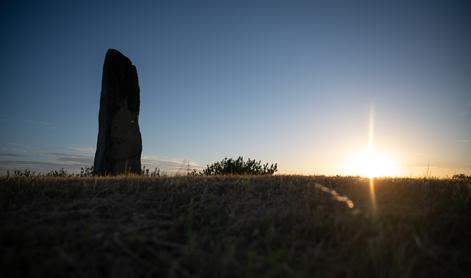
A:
{"x": 291, "y": 82}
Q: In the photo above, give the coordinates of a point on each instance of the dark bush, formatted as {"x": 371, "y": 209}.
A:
{"x": 461, "y": 177}
{"x": 229, "y": 166}
{"x": 147, "y": 173}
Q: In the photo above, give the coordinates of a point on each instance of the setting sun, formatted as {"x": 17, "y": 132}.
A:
{"x": 371, "y": 165}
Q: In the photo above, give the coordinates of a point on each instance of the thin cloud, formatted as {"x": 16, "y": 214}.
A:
{"x": 36, "y": 166}
{"x": 21, "y": 157}
{"x": 84, "y": 160}
{"x": 5, "y": 154}
{"x": 83, "y": 150}
{"x": 42, "y": 124}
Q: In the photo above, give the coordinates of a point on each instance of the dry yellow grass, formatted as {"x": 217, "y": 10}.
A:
{"x": 239, "y": 226}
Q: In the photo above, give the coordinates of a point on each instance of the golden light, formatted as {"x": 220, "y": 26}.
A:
{"x": 372, "y": 164}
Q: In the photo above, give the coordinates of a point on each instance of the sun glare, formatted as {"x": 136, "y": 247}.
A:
{"x": 372, "y": 165}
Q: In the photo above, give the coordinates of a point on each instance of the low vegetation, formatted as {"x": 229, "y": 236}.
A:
{"x": 230, "y": 166}
{"x": 233, "y": 226}
{"x": 227, "y": 166}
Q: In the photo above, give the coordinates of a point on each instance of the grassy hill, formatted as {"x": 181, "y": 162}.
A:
{"x": 272, "y": 226}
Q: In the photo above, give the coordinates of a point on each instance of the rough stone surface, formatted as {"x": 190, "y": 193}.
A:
{"x": 119, "y": 143}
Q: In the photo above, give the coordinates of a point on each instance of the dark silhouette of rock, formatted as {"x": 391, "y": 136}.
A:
{"x": 119, "y": 143}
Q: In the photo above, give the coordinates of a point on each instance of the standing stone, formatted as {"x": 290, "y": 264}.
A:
{"x": 119, "y": 143}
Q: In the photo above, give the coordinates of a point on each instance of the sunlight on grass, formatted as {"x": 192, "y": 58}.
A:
{"x": 370, "y": 163}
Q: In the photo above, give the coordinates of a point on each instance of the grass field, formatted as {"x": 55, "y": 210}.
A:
{"x": 273, "y": 226}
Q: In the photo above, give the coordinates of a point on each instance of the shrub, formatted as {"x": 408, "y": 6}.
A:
{"x": 147, "y": 173}
{"x": 58, "y": 173}
{"x": 86, "y": 172}
{"x": 229, "y": 166}
{"x": 22, "y": 173}
{"x": 461, "y": 177}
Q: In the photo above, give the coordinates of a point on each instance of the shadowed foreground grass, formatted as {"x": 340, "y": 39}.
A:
{"x": 278, "y": 226}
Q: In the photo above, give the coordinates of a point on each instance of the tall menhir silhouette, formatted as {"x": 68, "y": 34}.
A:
{"x": 119, "y": 145}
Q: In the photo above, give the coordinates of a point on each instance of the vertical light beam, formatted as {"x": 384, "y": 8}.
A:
{"x": 371, "y": 154}
{"x": 371, "y": 128}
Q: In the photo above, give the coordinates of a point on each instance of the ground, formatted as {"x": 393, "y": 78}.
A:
{"x": 272, "y": 226}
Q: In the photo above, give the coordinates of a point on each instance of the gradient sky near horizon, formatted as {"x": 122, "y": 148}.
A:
{"x": 290, "y": 82}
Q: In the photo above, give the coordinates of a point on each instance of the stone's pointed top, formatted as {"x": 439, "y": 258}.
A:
{"x": 113, "y": 54}
{"x": 113, "y": 51}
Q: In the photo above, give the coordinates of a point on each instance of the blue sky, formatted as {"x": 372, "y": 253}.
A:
{"x": 291, "y": 82}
